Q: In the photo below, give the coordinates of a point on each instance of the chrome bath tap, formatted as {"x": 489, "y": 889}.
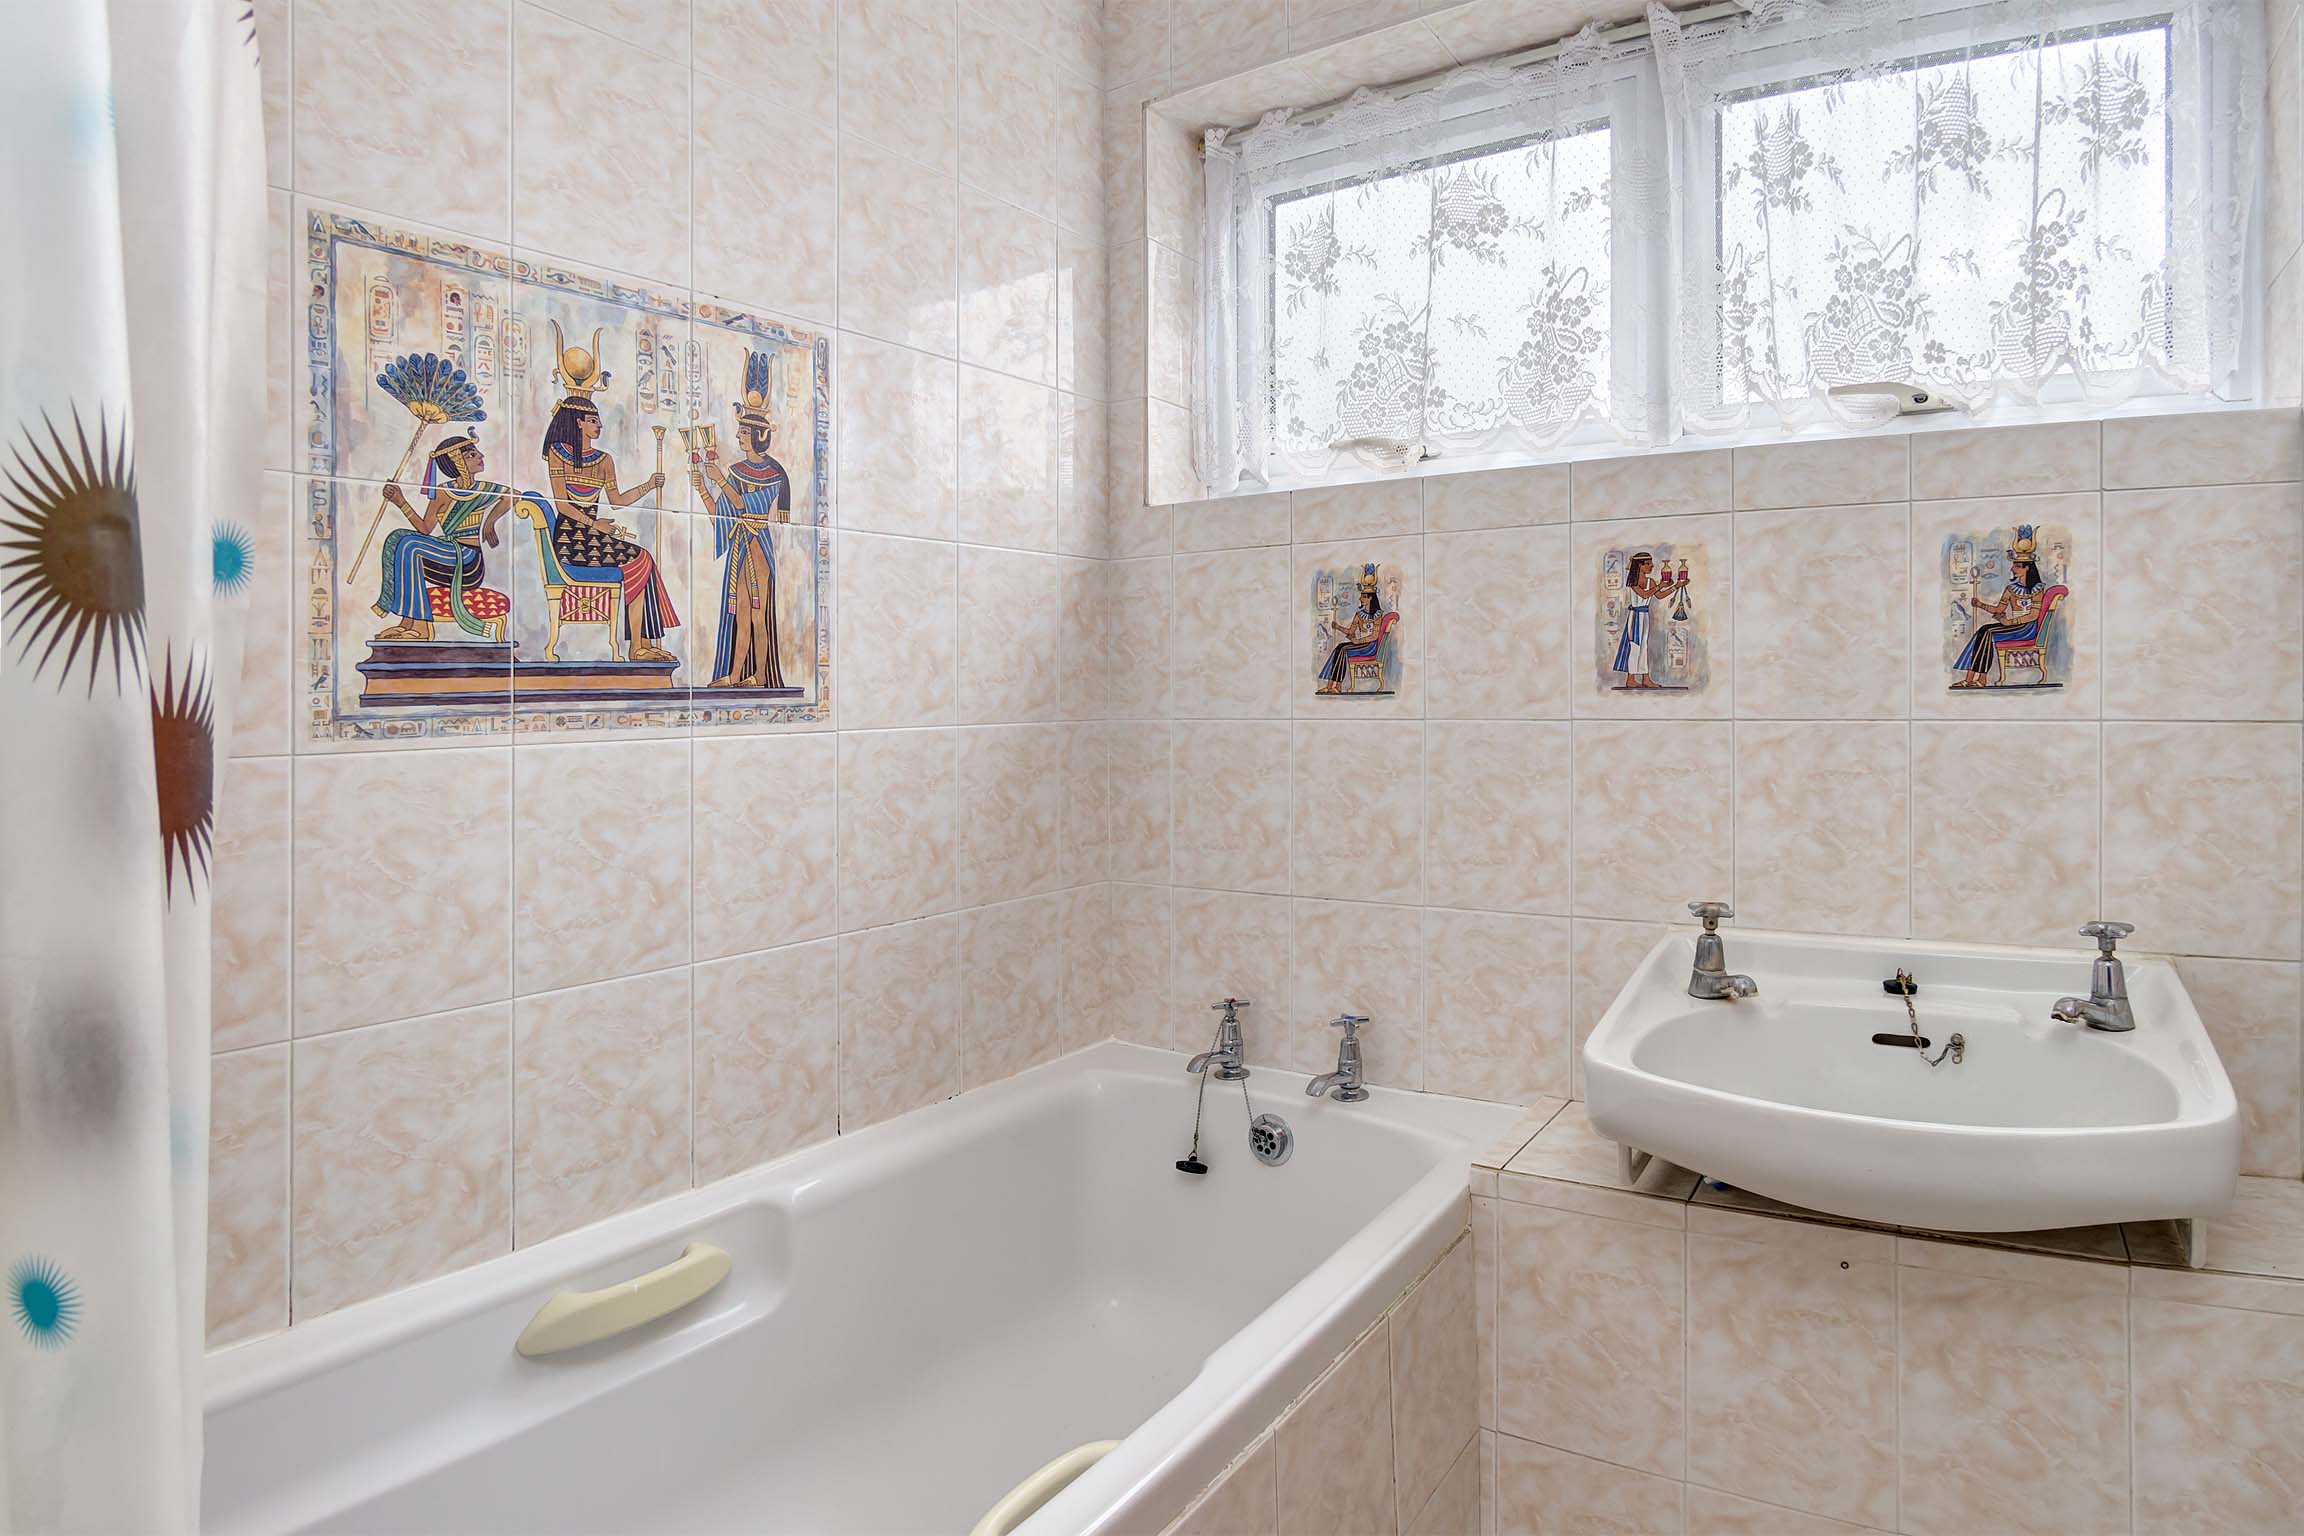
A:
{"x": 1343, "y": 1084}
{"x": 1710, "y": 979}
{"x": 1227, "y": 1057}
{"x": 2106, "y": 1005}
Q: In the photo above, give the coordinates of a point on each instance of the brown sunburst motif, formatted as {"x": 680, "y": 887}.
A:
{"x": 75, "y": 568}
{"x": 184, "y": 763}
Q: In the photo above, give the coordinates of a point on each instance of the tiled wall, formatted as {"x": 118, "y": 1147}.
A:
{"x": 471, "y": 996}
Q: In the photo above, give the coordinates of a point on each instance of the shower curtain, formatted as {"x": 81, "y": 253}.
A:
{"x": 131, "y": 413}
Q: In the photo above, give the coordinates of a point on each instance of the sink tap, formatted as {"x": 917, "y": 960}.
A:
{"x": 2106, "y": 1005}
{"x": 1227, "y": 1057}
{"x": 1710, "y": 978}
{"x": 1343, "y": 1084}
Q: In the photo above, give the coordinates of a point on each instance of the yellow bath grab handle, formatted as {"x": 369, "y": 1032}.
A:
{"x": 1024, "y": 1500}
{"x": 575, "y": 1318}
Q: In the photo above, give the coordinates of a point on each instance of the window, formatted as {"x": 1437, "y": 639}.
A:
{"x": 1710, "y": 229}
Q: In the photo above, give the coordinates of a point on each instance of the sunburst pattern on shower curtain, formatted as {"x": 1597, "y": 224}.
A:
{"x": 130, "y": 419}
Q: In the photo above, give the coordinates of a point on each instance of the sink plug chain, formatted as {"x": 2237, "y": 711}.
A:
{"x": 1956, "y": 1047}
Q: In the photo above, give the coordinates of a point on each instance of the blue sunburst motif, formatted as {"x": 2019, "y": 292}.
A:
{"x": 45, "y": 1301}
{"x": 234, "y": 555}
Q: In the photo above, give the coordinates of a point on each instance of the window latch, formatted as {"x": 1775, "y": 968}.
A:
{"x": 1910, "y": 399}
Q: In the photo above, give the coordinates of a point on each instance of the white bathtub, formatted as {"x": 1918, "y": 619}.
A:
{"x": 918, "y": 1316}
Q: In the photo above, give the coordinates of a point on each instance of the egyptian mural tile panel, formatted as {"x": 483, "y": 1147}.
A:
{"x": 1356, "y": 622}
{"x": 2002, "y": 589}
{"x": 1652, "y": 618}
{"x": 546, "y": 500}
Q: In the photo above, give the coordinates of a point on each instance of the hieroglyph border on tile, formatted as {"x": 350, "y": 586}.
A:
{"x": 679, "y": 366}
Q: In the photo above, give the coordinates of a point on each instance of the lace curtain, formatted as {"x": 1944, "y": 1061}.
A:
{"x": 1708, "y": 229}
{"x": 1445, "y": 269}
{"x": 2014, "y": 200}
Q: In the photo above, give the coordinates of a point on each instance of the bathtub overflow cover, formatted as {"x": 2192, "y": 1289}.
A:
{"x": 1270, "y": 1139}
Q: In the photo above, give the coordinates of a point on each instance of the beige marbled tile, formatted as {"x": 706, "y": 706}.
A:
{"x": 369, "y": 81}
{"x": 1708, "y": 544}
{"x": 401, "y": 1160}
{"x": 1359, "y": 819}
{"x": 793, "y": 42}
{"x": 899, "y": 1019}
{"x": 1713, "y": 1513}
{"x": 1829, "y": 473}
{"x": 1172, "y": 310}
{"x": 899, "y": 825}
{"x": 600, "y": 1102}
{"x": 2007, "y": 461}
{"x": 1792, "y": 1371}
{"x": 1601, "y": 958}
{"x": 1540, "y": 1491}
{"x": 2254, "y": 1012}
{"x": 1636, "y": 485}
{"x": 1140, "y": 995}
{"x": 1403, "y": 557}
{"x": 899, "y": 78}
{"x": 1821, "y": 613}
{"x": 1084, "y": 828}
{"x": 1174, "y": 186}
{"x": 1232, "y": 522}
{"x": 283, "y": 237}
{"x": 1128, "y": 316}
{"x": 1589, "y": 1335}
{"x": 2283, "y": 193}
{"x": 765, "y": 824}
{"x": 2013, "y": 1400}
{"x": 1135, "y": 39}
{"x": 1011, "y": 807}
{"x": 766, "y": 1049}
{"x": 261, "y": 710}
{"x": 249, "y": 923}
{"x": 1243, "y": 1501}
{"x": 1454, "y": 1508}
{"x": 1653, "y": 817}
{"x": 1496, "y": 991}
{"x": 1142, "y": 789}
{"x": 1083, "y": 338}
{"x": 1124, "y": 170}
{"x": 1496, "y": 498}
{"x": 1496, "y": 805}
{"x": 2186, "y": 635}
{"x": 1496, "y": 641}
{"x": 372, "y": 911}
{"x": 1352, "y": 957}
{"x": 247, "y": 1194}
{"x": 274, "y": 69}
{"x": 1168, "y": 473}
{"x": 1013, "y": 1014}
{"x": 1335, "y": 1446}
{"x": 1143, "y": 592}
{"x": 2219, "y": 1394}
{"x": 1139, "y": 526}
{"x": 660, "y": 26}
{"x": 2204, "y": 837}
{"x": 1008, "y": 440}
{"x": 898, "y": 631}
{"x": 1083, "y": 520}
{"x": 1004, "y": 151}
{"x": 2203, "y": 448}
{"x": 1821, "y": 826}
{"x": 1229, "y": 634}
{"x": 1084, "y": 651}
{"x": 1010, "y": 608}
{"x": 794, "y": 273}
{"x": 1435, "y": 1385}
{"x": 1977, "y": 874}
{"x": 1570, "y": 1150}
{"x": 600, "y": 872}
{"x": 1934, "y": 647}
{"x": 1231, "y": 799}
{"x": 1484, "y": 1305}
{"x": 1090, "y": 935}
{"x": 1232, "y": 945}
{"x": 1007, "y": 288}
{"x": 899, "y": 244}
{"x": 623, "y": 104}
{"x": 2263, "y": 1233}
{"x": 1373, "y": 509}
{"x": 898, "y": 440}
{"x": 1078, "y": 124}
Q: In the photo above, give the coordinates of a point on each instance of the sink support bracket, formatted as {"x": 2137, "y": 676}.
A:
{"x": 2196, "y": 1243}
{"x": 1630, "y": 1163}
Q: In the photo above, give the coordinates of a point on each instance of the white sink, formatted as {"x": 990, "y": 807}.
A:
{"x": 2040, "y": 1124}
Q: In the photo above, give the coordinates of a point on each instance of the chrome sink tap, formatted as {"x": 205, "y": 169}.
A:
{"x": 1228, "y": 1057}
{"x": 1710, "y": 979}
{"x": 2106, "y": 1005}
{"x": 1343, "y": 1084}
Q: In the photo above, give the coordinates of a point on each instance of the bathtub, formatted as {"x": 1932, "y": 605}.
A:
{"x": 917, "y": 1316}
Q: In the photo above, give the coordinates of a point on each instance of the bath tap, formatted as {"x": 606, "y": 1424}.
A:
{"x": 1343, "y": 1084}
{"x": 1710, "y": 978}
{"x": 2106, "y": 1005}
{"x": 1227, "y": 1057}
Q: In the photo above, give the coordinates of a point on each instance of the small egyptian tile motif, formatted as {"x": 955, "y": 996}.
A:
{"x": 2003, "y": 592}
{"x": 1652, "y": 618}
{"x": 1356, "y": 631}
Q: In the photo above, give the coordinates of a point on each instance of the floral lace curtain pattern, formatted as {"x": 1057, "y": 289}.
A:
{"x": 1709, "y": 229}
{"x": 131, "y": 404}
{"x": 2007, "y": 201}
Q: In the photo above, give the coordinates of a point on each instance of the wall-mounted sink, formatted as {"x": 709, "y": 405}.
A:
{"x": 1797, "y": 1092}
